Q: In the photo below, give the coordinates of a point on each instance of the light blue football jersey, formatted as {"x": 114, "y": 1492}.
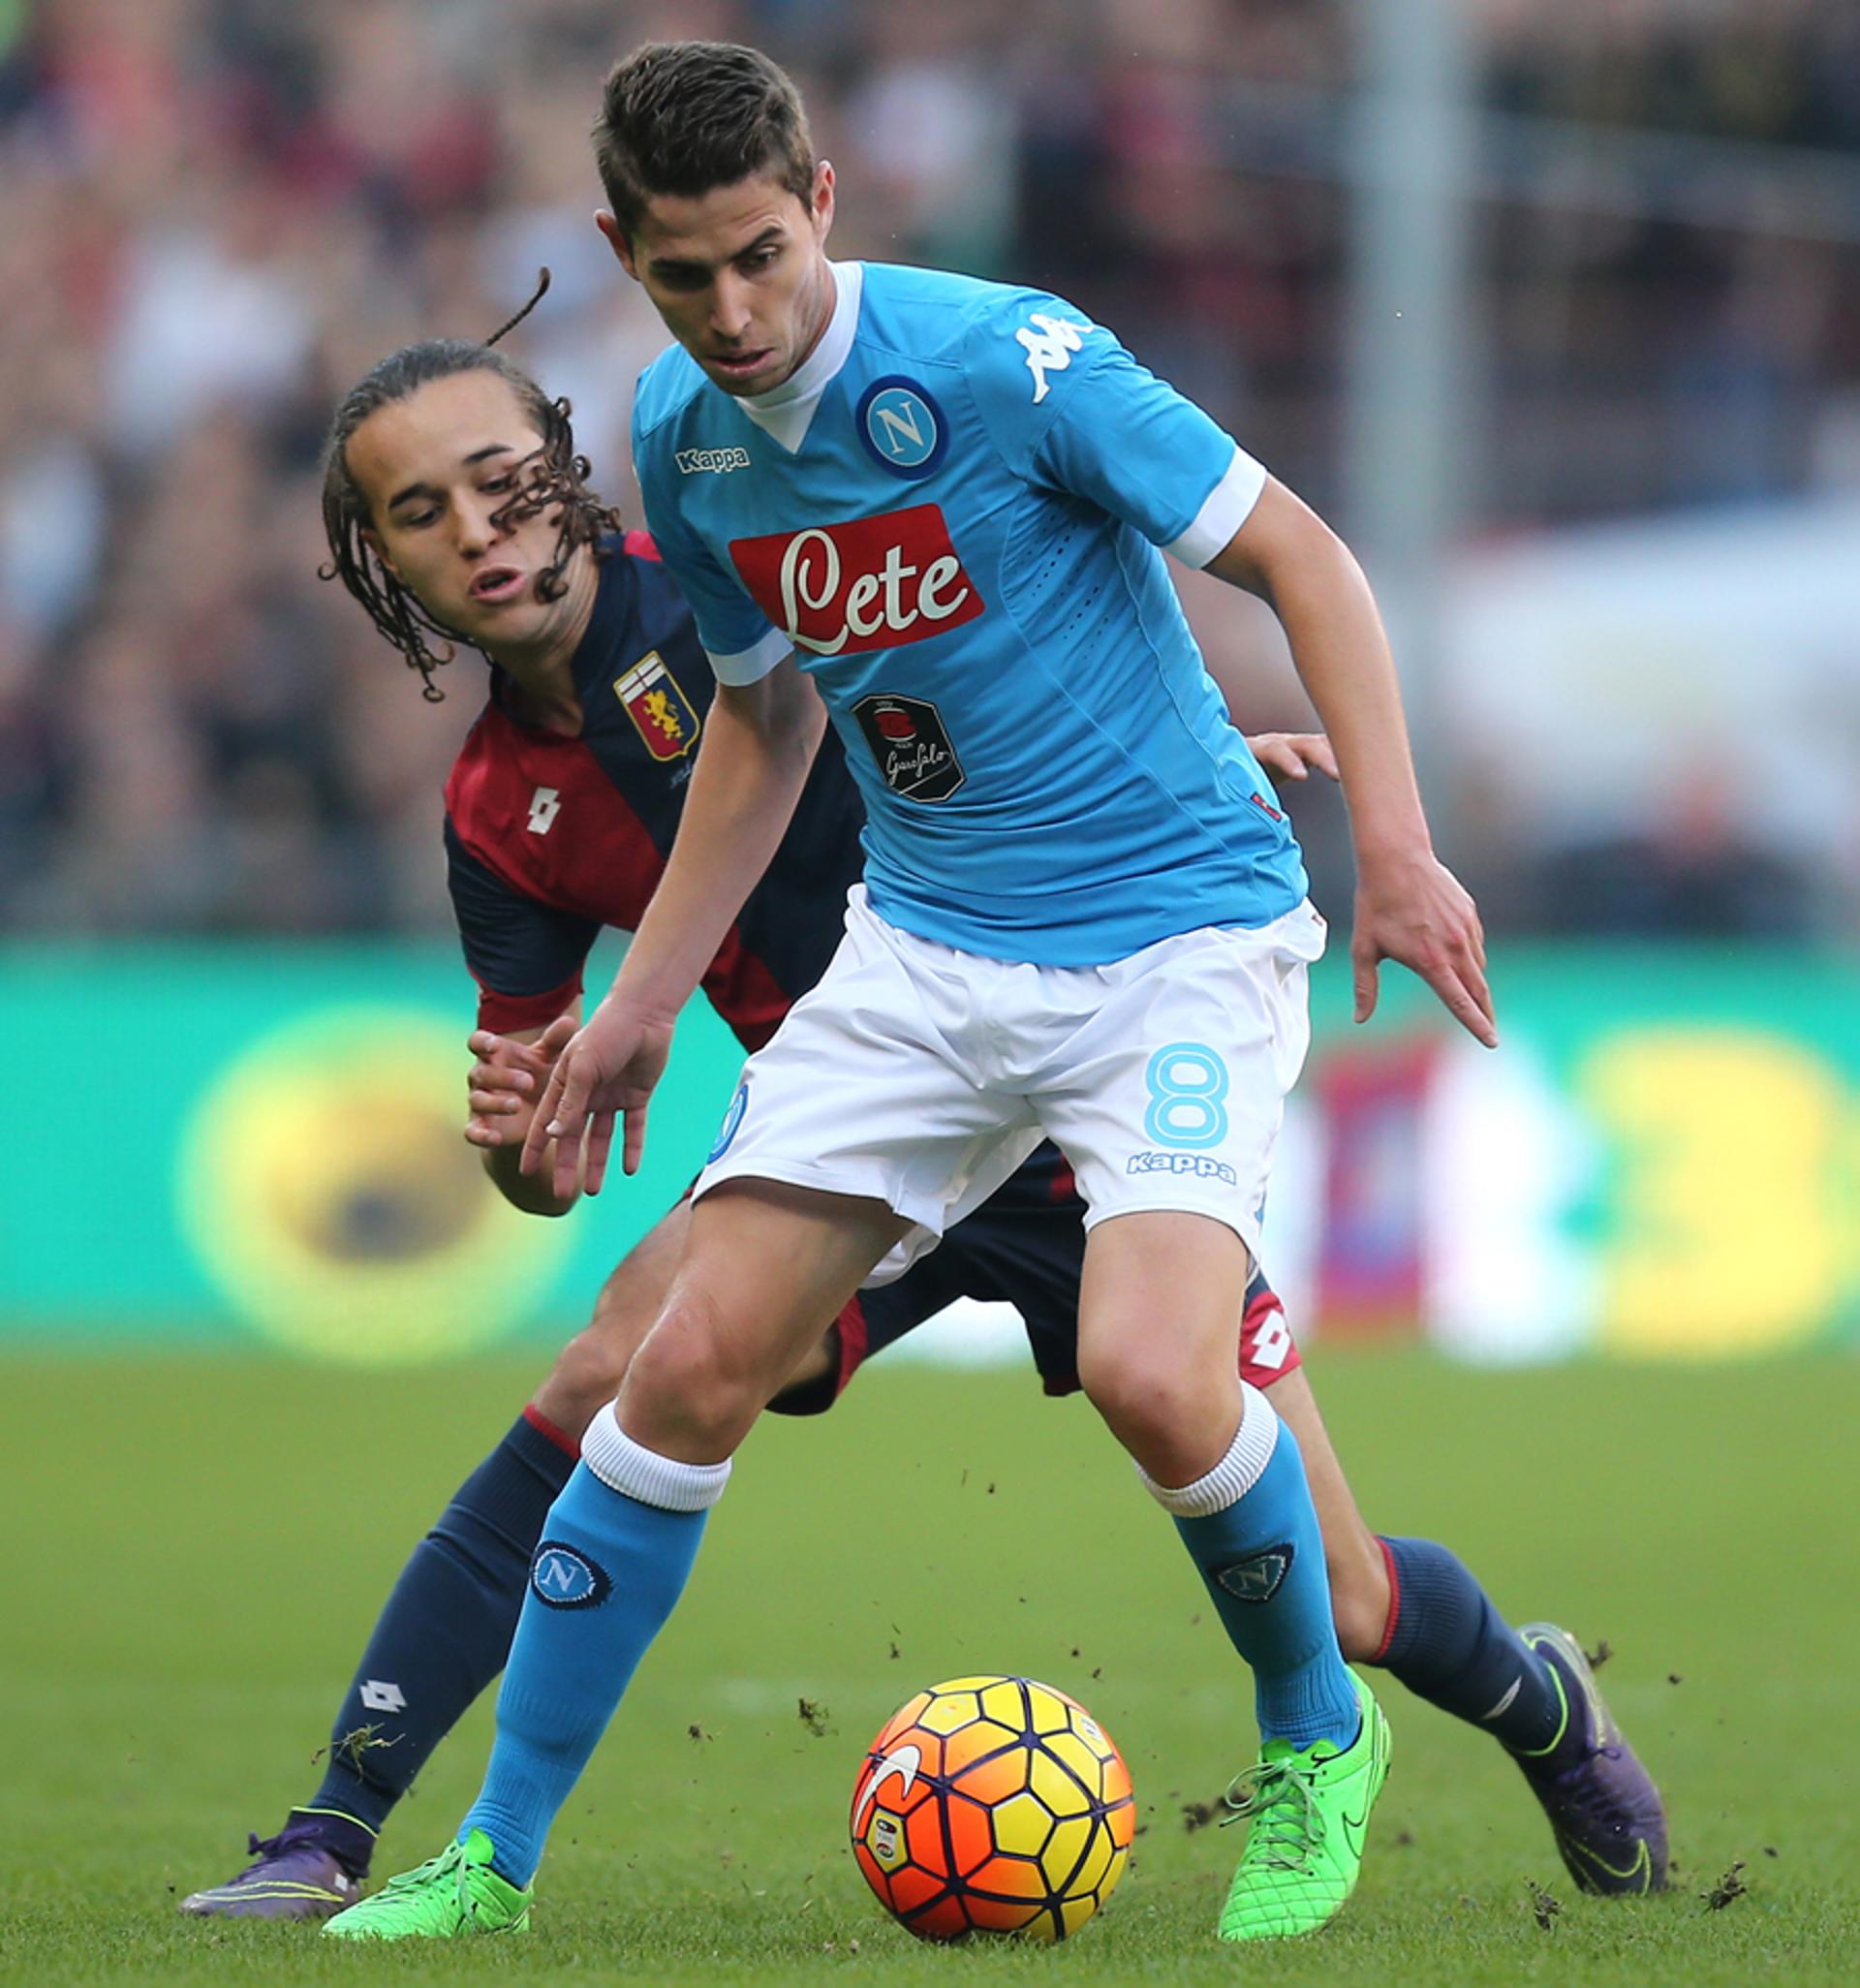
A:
{"x": 953, "y": 514}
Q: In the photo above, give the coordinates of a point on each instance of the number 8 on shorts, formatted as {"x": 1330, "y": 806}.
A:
{"x": 1186, "y": 1083}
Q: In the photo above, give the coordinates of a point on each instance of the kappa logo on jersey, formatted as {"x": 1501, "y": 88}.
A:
{"x": 1049, "y": 344}
{"x": 910, "y": 743}
{"x": 661, "y": 712}
{"x": 902, "y": 427}
{"x": 546, "y": 803}
{"x": 873, "y": 583}
{"x": 716, "y": 462}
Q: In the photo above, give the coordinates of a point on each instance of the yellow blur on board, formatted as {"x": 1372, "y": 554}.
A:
{"x": 327, "y": 1188}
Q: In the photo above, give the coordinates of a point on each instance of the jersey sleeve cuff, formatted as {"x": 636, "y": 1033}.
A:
{"x": 1228, "y": 506}
{"x": 751, "y": 666}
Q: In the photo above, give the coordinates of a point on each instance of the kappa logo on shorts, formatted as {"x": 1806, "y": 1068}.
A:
{"x": 870, "y": 583}
{"x": 910, "y": 743}
{"x": 1259, "y": 1576}
{"x": 565, "y": 1577}
{"x": 1196, "y": 1163}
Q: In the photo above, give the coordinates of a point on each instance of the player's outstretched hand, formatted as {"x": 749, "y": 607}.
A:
{"x": 506, "y": 1080}
{"x": 611, "y": 1066}
{"x": 1291, "y": 755}
{"x": 1412, "y": 909}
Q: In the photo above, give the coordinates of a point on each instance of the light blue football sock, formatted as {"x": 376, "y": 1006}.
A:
{"x": 1252, "y": 1530}
{"x": 612, "y": 1561}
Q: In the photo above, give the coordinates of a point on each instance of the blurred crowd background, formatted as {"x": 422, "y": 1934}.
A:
{"x": 215, "y": 214}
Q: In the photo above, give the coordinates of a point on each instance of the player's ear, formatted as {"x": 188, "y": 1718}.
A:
{"x": 819, "y": 206}
{"x": 372, "y": 540}
{"x": 616, "y": 240}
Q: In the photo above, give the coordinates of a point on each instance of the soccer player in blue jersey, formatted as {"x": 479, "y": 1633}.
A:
{"x": 933, "y": 508}
{"x": 455, "y": 506}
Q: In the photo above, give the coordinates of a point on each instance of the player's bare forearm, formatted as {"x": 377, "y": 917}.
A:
{"x": 530, "y": 1193}
{"x": 1409, "y": 908}
{"x": 758, "y": 743}
{"x": 1292, "y": 560}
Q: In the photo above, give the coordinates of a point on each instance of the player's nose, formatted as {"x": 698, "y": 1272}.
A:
{"x": 473, "y": 524}
{"x": 730, "y": 314}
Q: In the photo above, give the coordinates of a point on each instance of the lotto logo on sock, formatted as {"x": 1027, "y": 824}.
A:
{"x": 1259, "y": 1576}
{"x": 565, "y": 1577}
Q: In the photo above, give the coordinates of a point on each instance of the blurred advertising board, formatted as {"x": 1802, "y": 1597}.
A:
{"x": 250, "y": 1142}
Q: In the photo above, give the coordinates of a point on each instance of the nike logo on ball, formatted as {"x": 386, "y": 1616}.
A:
{"x": 904, "y": 1762}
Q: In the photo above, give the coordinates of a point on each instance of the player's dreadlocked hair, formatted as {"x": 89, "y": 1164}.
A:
{"x": 681, "y": 117}
{"x": 554, "y": 475}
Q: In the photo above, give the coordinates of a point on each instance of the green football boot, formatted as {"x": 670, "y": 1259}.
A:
{"x": 450, "y": 1896}
{"x": 1308, "y": 1812}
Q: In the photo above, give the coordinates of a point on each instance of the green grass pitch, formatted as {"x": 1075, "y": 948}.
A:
{"x": 196, "y": 1548}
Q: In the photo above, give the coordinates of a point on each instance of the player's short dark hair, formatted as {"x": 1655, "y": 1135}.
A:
{"x": 554, "y": 475}
{"x": 682, "y": 117}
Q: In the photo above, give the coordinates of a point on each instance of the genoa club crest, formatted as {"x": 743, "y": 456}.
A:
{"x": 661, "y": 712}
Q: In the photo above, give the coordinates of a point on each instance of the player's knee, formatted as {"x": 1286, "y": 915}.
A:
{"x": 688, "y": 1381}
{"x": 587, "y": 1376}
{"x": 1155, "y": 1412}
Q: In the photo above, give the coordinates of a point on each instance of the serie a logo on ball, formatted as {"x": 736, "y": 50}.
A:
{"x": 992, "y": 1805}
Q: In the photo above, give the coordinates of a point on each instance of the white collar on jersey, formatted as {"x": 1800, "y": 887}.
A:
{"x": 786, "y": 412}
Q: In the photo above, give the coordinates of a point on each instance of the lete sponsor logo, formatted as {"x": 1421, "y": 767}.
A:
{"x": 873, "y": 583}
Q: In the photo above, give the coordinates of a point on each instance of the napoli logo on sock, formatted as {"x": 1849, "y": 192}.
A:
{"x": 565, "y": 1577}
{"x": 1259, "y": 1576}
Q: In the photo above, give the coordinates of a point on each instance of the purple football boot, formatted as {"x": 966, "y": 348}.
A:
{"x": 1609, "y": 1822}
{"x": 297, "y": 1875}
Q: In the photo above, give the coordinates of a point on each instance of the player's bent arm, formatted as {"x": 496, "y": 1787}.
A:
{"x": 1409, "y": 906}
{"x": 504, "y": 1087}
{"x": 1286, "y": 554}
{"x": 751, "y": 767}
{"x": 751, "y": 763}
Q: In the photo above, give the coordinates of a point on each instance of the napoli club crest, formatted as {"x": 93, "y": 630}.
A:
{"x": 563, "y": 1576}
{"x": 903, "y": 429}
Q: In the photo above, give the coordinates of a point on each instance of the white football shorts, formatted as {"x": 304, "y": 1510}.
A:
{"x": 921, "y": 1076}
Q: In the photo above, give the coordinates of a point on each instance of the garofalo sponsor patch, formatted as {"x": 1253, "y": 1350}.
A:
{"x": 565, "y": 1577}
{"x": 912, "y": 745}
{"x": 1258, "y": 1576}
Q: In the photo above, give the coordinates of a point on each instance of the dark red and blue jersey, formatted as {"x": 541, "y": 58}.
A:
{"x": 549, "y": 838}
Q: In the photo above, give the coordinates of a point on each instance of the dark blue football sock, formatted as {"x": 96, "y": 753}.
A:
{"x": 1449, "y": 1645}
{"x": 440, "y": 1639}
{"x": 1252, "y": 1530}
{"x": 609, "y": 1569}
